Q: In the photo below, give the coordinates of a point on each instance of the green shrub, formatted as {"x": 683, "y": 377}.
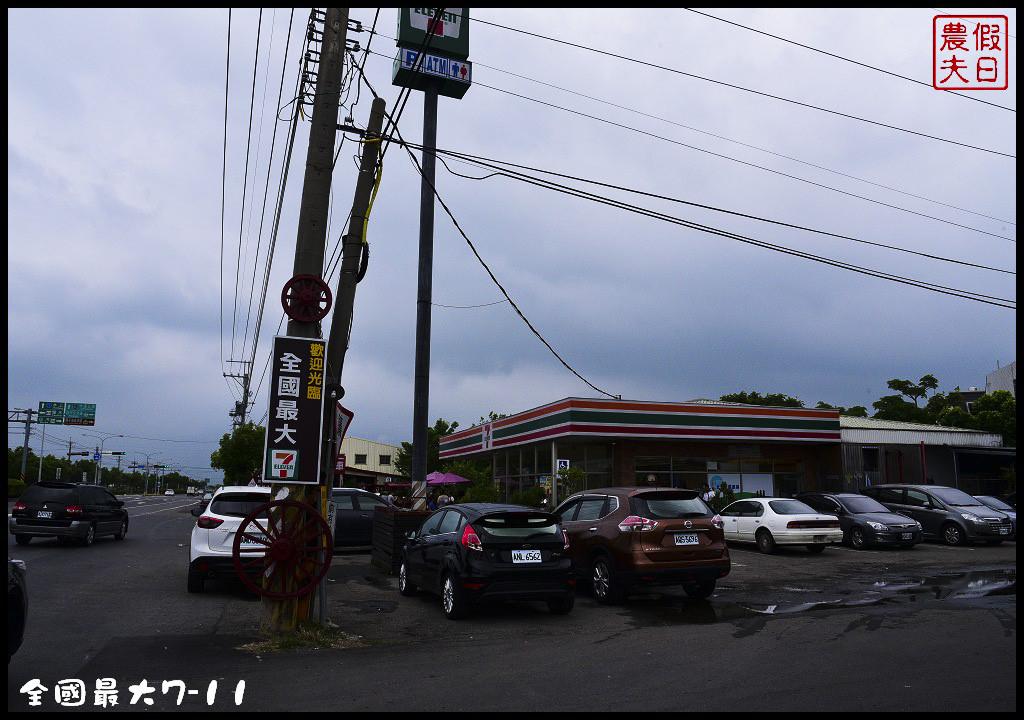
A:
{"x": 482, "y": 491}
{"x": 15, "y": 488}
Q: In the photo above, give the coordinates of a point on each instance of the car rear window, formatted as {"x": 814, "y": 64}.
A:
{"x": 791, "y": 507}
{"x": 669, "y": 505}
{"x": 41, "y": 493}
{"x": 237, "y": 504}
{"x": 517, "y": 525}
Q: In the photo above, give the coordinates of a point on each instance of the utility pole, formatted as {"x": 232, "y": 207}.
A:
{"x": 14, "y": 417}
{"x": 241, "y": 407}
{"x": 421, "y": 387}
{"x": 284, "y": 615}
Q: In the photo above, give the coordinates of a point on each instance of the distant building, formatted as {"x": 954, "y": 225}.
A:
{"x": 371, "y": 465}
{"x": 1004, "y": 378}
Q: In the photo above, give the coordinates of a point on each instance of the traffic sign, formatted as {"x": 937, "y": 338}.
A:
{"x": 58, "y": 413}
{"x": 97, "y": 457}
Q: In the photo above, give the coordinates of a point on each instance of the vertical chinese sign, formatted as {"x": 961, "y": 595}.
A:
{"x": 292, "y": 447}
{"x": 970, "y": 52}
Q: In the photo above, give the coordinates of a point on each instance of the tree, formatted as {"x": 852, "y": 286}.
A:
{"x": 756, "y": 398}
{"x": 240, "y": 454}
{"x": 403, "y": 458}
{"x": 994, "y": 413}
{"x": 855, "y": 411}
{"x": 912, "y": 391}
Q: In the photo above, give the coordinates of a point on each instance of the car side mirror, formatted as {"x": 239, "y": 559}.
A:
{"x": 196, "y": 512}
{"x": 411, "y": 535}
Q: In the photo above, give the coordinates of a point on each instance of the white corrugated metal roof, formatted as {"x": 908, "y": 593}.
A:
{"x": 861, "y": 423}
{"x": 866, "y": 431}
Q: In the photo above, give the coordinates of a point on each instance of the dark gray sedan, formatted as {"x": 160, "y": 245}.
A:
{"x": 865, "y": 521}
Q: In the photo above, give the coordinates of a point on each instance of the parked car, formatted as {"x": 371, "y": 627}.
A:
{"x": 17, "y": 605}
{"x": 205, "y": 500}
{"x": 864, "y": 520}
{"x": 626, "y": 537}
{"x": 1005, "y": 508}
{"x": 69, "y": 512}
{"x": 213, "y": 537}
{"x": 168, "y": 492}
{"x": 353, "y": 520}
{"x": 770, "y": 522}
{"x": 945, "y": 513}
{"x": 474, "y": 552}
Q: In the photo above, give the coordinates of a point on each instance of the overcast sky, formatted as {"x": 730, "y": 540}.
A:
{"x": 116, "y": 263}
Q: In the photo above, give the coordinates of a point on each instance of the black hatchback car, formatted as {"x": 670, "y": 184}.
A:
{"x": 67, "y": 511}
{"x": 864, "y": 520}
{"x": 479, "y": 551}
{"x": 353, "y": 518}
{"x": 945, "y": 513}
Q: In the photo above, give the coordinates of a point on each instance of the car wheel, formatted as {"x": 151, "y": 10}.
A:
{"x": 701, "y": 590}
{"x": 816, "y": 548}
{"x": 562, "y": 605}
{"x": 765, "y": 542}
{"x": 196, "y": 582}
{"x": 119, "y": 535}
{"x": 404, "y": 586}
{"x": 953, "y": 534}
{"x": 90, "y": 536}
{"x": 606, "y": 591}
{"x": 453, "y": 599}
{"x": 857, "y": 538}
{"x": 23, "y": 539}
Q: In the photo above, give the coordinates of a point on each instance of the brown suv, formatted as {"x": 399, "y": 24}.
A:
{"x": 622, "y": 537}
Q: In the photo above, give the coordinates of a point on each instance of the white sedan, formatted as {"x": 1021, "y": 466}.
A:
{"x": 779, "y": 521}
{"x": 169, "y": 492}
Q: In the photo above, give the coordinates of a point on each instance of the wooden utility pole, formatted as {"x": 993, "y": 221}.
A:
{"x": 285, "y": 615}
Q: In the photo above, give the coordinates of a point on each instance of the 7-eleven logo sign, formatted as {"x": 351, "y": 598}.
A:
{"x": 283, "y": 463}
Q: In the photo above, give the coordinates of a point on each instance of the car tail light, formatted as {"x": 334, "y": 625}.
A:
{"x": 470, "y": 539}
{"x": 637, "y": 524}
{"x": 18, "y": 506}
{"x": 566, "y": 546}
{"x": 73, "y": 510}
{"x": 717, "y": 522}
{"x": 208, "y": 523}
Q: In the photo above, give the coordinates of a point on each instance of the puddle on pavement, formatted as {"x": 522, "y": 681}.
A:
{"x": 673, "y": 609}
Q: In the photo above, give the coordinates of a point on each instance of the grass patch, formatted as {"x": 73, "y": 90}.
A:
{"x": 308, "y": 636}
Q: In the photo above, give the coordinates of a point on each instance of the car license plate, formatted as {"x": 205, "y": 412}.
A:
{"x": 687, "y": 539}
{"x": 908, "y": 536}
{"x": 250, "y": 541}
{"x": 819, "y": 538}
{"x": 526, "y": 556}
{"x": 44, "y": 514}
{"x": 1004, "y": 531}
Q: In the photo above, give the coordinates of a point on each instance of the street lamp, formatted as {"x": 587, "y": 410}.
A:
{"x": 99, "y": 466}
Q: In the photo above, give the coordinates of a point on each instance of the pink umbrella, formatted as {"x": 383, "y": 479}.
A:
{"x": 446, "y": 479}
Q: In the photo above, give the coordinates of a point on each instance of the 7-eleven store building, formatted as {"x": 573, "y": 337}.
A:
{"x": 780, "y": 451}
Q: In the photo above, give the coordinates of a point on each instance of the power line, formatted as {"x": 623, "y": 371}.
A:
{"x": 744, "y": 162}
{"x": 964, "y": 294}
{"x": 637, "y": 61}
{"x": 720, "y": 137}
{"x": 223, "y": 190}
{"x": 493, "y": 164}
{"x": 245, "y": 178}
{"x": 846, "y": 59}
{"x": 487, "y": 268}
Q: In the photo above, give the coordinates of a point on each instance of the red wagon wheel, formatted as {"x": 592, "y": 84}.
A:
{"x": 306, "y": 298}
{"x": 284, "y": 543}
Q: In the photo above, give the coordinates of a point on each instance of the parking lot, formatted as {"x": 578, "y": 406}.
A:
{"x": 119, "y": 608}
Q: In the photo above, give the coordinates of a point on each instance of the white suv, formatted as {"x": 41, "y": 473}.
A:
{"x": 213, "y": 537}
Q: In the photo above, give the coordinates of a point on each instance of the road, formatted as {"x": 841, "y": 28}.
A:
{"x": 932, "y": 628}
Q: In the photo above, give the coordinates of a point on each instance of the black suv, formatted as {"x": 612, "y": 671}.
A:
{"x": 68, "y": 512}
{"x": 864, "y": 520}
{"x": 478, "y": 551}
{"x": 945, "y": 513}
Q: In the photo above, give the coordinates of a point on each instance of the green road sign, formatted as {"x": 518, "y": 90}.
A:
{"x": 56, "y": 413}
